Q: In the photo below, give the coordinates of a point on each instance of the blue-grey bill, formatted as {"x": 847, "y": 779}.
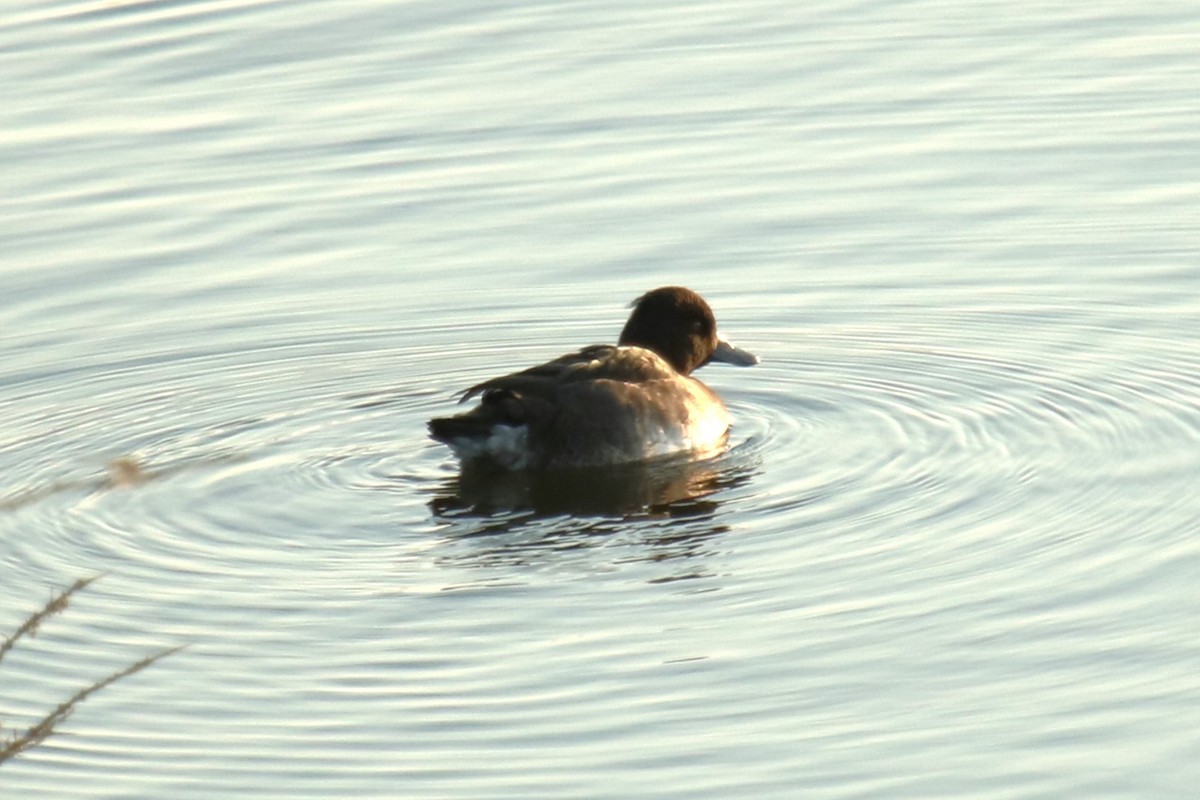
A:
{"x": 733, "y": 355}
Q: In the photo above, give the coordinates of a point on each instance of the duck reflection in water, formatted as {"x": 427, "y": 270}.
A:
{"x": 678, "y": 486}
{"x": 669, "y": 507}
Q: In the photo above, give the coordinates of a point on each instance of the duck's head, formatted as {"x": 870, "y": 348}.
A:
{"x": 677, "y": 324}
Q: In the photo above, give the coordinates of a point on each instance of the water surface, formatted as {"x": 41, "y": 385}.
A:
{"x": 252, "y": 246}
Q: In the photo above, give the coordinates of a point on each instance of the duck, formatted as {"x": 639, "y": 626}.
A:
{"x": 605, "y": 404}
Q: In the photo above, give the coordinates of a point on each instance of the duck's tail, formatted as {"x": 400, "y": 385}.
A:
{"x": 496, "y": 430}
{"x": 463, "y": 426}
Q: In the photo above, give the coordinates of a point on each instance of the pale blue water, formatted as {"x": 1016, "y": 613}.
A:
{"x": 252, "y": 247}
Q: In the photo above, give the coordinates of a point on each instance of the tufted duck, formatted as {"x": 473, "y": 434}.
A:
{"x": 605, "y": 404}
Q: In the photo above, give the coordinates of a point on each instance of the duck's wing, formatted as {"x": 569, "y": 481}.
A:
{"x": 598, "y": 362}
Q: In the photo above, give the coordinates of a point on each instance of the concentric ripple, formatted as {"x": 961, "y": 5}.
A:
{"x": 279, "y": 509}
{"x": 252, "y": 246}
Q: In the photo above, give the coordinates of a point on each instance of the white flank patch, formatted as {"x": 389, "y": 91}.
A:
{"x": 710, "y": 430}
{"x": 703, "y": 434}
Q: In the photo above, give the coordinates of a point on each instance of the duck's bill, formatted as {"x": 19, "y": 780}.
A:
{"x": 729, "y": 354}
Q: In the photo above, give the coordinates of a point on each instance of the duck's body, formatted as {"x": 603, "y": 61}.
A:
{"x": 605, "y": 404}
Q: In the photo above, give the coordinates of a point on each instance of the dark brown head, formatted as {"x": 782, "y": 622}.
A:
{"x": 677, "y": 324}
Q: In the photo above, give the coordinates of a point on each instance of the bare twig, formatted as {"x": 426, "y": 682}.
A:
{"x": 38, "y": 732}
{"x": 14, "y": 744}
{"x": 30, "y": 626}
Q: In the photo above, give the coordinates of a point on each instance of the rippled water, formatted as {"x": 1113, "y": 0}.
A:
{"x": 250, "y": 247}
